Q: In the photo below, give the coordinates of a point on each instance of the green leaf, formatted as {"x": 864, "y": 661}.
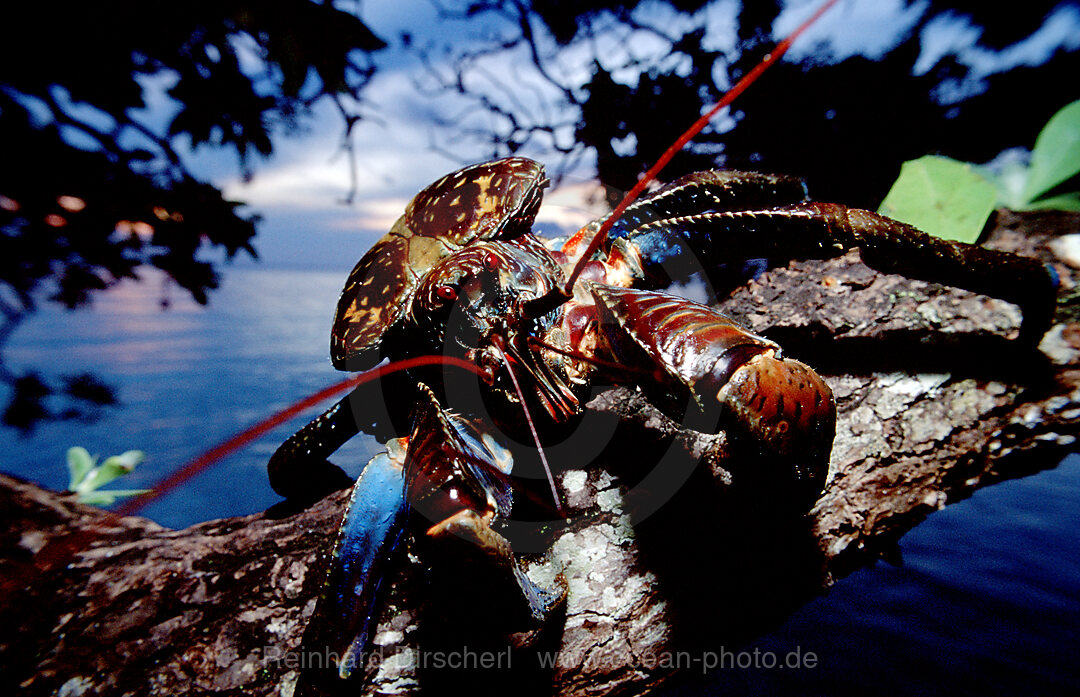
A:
{"x": 79, "y": 464}
{"x": 1056, "y": 156}
{"x": 942, "y": 197}
{"x": 113, "y": 467}
{"x": 127, "y": 460}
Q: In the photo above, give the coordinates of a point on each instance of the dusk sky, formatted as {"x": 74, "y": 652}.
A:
{"x": 299, "y": 191}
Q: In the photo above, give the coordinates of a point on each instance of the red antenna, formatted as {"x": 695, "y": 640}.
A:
{"x": 681, "y": 141}
{"x": 246, "y": 436}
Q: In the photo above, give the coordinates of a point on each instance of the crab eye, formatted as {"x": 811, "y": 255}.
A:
{"x": 447, "y": 293}
{"x": 491, "y": 262}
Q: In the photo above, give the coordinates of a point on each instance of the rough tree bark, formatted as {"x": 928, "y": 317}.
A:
{"x": 934, "y": 402}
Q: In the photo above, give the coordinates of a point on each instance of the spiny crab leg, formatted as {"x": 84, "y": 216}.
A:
{"x": 812, "y": 230}
{"x": 654, "y": 171}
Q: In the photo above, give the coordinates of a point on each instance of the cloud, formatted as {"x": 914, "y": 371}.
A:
{"x": 572, "y": 205}
{"x": 867, "y": 27}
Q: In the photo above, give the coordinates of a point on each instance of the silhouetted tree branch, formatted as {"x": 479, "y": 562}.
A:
{"x": 95, "y": 127}
{"x": 843, "y": 124}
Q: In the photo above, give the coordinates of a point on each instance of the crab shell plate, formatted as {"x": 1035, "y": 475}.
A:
{"x": 493, "y": 200}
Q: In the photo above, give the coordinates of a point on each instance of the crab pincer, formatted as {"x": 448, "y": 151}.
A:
{"x": 444, "y": 482}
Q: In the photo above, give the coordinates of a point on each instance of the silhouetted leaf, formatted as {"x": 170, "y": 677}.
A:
{"x": 27, "y": 405}
{"x": 87, "y": 388}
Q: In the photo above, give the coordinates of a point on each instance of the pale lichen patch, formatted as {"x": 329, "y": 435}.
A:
{"x": 575, "y": 480}
{"x": 609, "y": 500}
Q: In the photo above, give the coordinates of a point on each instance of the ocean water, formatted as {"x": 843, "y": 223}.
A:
{"x": 187, "y": 379}
{"x": 986, "y": 600}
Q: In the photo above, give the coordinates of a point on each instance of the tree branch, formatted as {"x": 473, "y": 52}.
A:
{"x": 934, "y": 402}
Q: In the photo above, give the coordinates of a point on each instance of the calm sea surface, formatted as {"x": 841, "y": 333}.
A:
{"x": 986, "y": 601}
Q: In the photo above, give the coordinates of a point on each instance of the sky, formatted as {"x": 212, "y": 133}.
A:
{"x": 300, "y": 191}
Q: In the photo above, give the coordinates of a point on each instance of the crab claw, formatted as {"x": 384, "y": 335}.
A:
{"x": 772, "y": 406}
{"x": 475, "y": 530}
{"x": 786, "y": 409}
{"x": 458, "y": 480}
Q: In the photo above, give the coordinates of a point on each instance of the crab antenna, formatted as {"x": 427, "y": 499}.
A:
{"x": 740, "y": 86}
{"x": 532, "y": 426}
{"x": 251, "y": 433}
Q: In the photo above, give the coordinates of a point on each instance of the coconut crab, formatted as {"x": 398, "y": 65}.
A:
{"x": 461, "y": 275}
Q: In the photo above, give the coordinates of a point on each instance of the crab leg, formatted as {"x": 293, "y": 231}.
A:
{"x": 824, "y": 231}
{"x": 711, "y": 191}
{"x": 444, "y": 472}
{"x": 340, "y": 630}
{"x": 299, "y": 470}
{"x": 458, "y": 481}
{"x": 767, "y": 403}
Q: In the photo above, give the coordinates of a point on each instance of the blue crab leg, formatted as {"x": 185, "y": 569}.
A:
{"x": 370, "y": 533}
{"x": 446, "y": 472}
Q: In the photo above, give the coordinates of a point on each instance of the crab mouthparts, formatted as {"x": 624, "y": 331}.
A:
{"x": 551, "y": 392}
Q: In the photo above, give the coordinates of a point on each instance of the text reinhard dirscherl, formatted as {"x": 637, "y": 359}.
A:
{"x": 468, "y": 659}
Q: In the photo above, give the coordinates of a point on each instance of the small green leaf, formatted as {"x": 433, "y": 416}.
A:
{"x": 1056, "y": 156}
{"x": 113, "y": 467}
{"x": 100, "y": 476}
{"x": 942, "y": 197}
{"x": 79, "y": 464}
{"x": 87, "y": 480}
{"x": 95, "y": 498}
{"x": 127, "y": 460}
